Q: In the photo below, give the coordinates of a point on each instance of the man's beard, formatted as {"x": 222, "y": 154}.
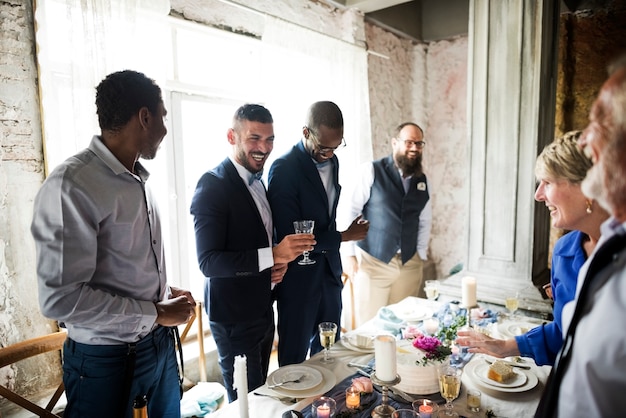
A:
{"x": 408, "y": 166}
{"x": 592, "y": 186}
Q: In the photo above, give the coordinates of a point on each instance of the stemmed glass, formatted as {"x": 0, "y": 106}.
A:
{"x": 449, "y": 386}
{"x": 328, "y": 331}
{"x": 511, "y": 303}
{"x": 304, "y": 227}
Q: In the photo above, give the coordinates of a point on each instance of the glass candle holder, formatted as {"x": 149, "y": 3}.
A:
{"x": 473, "y": 400}
{"x": 353, "y": 398}
{"x": 323, "y": 407}
{"x": 425, "y": 407}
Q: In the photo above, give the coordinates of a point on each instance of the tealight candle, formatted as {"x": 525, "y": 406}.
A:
{"x": 425, "y": 407}
{"x": 468, "y": 291}
{"x": 385, "y": 355}
{"x": 353, "y": 398}
{"x": 431, "y": 325}
{"x": 323, "y": 411}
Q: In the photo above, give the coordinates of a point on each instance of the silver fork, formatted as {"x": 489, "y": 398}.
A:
{"x": 276, "y": 385}
{"x": 285, "y": 400}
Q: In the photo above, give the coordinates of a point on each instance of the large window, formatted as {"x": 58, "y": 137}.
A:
{"x": 205, "y": 74}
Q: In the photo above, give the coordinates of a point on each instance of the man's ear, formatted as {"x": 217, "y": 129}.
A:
{"x": 144, "y": 117}
{"x": 230, "y": 134}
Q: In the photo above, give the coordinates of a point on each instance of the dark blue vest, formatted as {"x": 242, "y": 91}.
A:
{"x": 393, "y": 215}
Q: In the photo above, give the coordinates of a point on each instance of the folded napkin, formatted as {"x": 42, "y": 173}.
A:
{"x": 388, "y": 321}
{"x": 202, "y": 399}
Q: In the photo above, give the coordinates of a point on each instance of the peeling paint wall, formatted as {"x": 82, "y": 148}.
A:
{"x": 427, "y": 84}
{"x": 21, "y": 174}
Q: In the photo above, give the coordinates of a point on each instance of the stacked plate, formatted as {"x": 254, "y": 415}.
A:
{"x": 361, "y": 342}
{"x": 412, "y": 314}
{"x": 312, "y": 380}
{"x": 477, "y": 371}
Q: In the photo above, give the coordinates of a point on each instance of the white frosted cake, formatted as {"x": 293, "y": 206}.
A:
{"x": 415, "y": 377}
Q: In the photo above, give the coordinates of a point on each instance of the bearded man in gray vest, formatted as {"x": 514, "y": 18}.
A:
{"x": 393, "y": 195}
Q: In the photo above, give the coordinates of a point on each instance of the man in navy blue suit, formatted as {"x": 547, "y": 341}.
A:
{"x": 303, "y": 185}
{"x": 233, "y": 228}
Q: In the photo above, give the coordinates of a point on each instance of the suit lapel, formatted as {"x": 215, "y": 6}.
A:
{"x": 310, "y": 172}
{"x": 233, "y": 177}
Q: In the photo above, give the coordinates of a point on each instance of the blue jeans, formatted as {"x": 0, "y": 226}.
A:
{"x": 94, "y": 378}
{"x": 253, "y": 339}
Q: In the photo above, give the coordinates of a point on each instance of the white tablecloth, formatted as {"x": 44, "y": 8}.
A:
{"x": 511, "y": 405}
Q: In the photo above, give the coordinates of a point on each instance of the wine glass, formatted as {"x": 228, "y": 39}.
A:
{"x": 511, "y": 303}
{"x": 449, "y": 386}
{"x": 328, "y": 330}
{"x": 304, "y": 227}
{"x": 431, "y": 288}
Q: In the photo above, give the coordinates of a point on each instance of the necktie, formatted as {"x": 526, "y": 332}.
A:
{"x": 606, "y": 254}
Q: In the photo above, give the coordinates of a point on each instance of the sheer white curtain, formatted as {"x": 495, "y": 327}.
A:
{"x": 321, "y": 68}
{"x": 79, "y": 43}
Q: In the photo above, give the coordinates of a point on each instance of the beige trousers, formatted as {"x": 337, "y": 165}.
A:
{"x": 377, "y": 284}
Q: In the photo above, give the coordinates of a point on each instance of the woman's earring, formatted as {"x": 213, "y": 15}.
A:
{"x": 589, "y": 207}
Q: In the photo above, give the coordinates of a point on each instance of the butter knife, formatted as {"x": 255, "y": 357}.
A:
{"x": 510, "y": 363}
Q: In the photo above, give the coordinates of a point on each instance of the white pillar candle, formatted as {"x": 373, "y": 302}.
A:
{"x": 468, "y": 291}
{"x": 385, "y": 355}
{"x": 431, "y": 325}
{"x": 240, "y": 382}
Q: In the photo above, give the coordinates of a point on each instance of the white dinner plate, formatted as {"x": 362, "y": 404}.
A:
{"x": 481, "y": 371}
{"x": 412, "y": 313}
{"x": 311, "y": 377}
{"x": 327, "y": 383}
{"x": 531, "y": 379}
{"x": 515, "y": 328}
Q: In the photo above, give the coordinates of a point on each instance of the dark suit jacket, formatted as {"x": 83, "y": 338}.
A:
{"x": 296, "y": 192}
{"x": 229, "y": 231}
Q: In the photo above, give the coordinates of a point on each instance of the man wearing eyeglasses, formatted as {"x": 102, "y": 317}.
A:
{"x": 393, "y": 195}
{"x": 303, "y": 185}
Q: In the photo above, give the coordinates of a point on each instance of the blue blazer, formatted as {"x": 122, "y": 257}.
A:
{"x": 229, "y": 231}
{"x": 296, "y": 192}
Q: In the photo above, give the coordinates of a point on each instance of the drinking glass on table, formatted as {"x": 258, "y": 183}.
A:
{"x": 328, "y": 331}
{"x": 449, "y": 387}
{"x": 304, "y": 227}
{"x": 431, "y": 288}
{"x": 511, "y": 303}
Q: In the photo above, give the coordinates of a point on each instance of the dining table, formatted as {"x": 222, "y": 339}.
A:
{"x": 519, "y": 400}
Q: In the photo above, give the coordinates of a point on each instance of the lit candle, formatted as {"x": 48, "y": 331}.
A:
{"x": 323, "y": 411}
{"x": 468, "y": 291}
{"x": 425, "y": 410}
{"x": 240, "y": 382}
{"x": 353, "y": 398}
{"x": 385, "y": 355}
{"x": 431, "y": 325}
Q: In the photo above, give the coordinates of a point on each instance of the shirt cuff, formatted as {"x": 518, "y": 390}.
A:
{"x": 266, "y": 258}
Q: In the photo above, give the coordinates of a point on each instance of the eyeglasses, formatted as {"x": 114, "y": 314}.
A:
{"x": 408, "y": 143}
{"x": 324, "y": 150}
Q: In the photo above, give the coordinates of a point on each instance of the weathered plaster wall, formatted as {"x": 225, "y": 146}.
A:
{"x": 427, "y": 84}
{"x": 21, "y": 174}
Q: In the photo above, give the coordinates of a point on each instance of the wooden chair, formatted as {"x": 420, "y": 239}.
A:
{"x": 26, "y": 349}
{"x": 197, "y": 317}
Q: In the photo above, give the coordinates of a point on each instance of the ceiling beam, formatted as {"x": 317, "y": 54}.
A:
{"x": 368, "y": 6}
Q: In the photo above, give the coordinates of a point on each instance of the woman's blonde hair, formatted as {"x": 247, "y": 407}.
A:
{"x": 563, "y": 159}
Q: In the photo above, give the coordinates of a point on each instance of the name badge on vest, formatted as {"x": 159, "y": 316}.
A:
{"x": 421, "y": 186}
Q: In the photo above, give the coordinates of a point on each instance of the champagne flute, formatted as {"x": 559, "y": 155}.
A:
{"x": 449, "y": 386}
{"x": 328, "y": 331}
{"x": 512, "y": 304}
{"x": 304, "y": 227}
{"x": 431, "y": 288}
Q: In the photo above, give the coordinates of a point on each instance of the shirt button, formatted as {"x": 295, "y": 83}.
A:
{"x": 154, "y": 242}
